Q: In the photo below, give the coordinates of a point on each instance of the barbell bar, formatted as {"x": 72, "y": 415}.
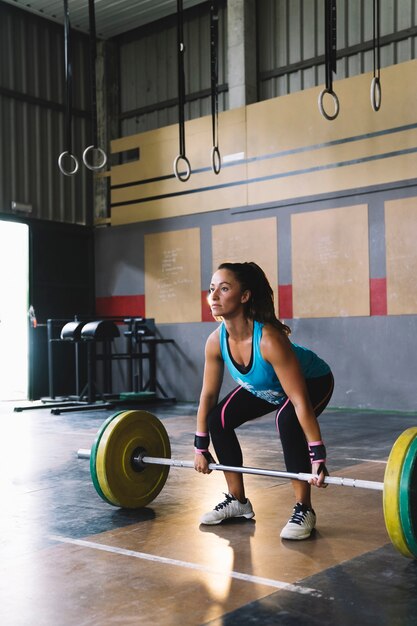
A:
{"x": 130, "y": 461}
{"x": 141, "y": 461}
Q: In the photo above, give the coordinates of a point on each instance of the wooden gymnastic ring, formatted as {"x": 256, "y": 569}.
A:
{"x": 335, "y": 101}
{"x": 183, "y": 177}
{"x": 376, "y": 93}
{"x": 216, "y": 160}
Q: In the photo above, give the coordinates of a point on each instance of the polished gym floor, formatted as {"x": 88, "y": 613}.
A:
{"x": 69, "y": 558}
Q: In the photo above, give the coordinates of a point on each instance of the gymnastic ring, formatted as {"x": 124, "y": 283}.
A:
{"x": 100, "y": 152}
{"x": 216, "y": 160}
{"x": 335, "y": 101}
{"x": 376, "y": 93}
{"x": 74, "y": 159}
{"x": 183, "y": 177}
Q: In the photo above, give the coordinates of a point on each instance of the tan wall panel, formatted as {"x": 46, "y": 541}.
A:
{"x": 334, "y": 179}
{"x": 286, "y": 141}
{"x": 159, "y": 148}
{"x": 294, "y": 120}
{"x": 254, "y": 240}
{"x": 330, "y": 262}
{"x": 173, "y": 277}
{"x": 401, "y": 247}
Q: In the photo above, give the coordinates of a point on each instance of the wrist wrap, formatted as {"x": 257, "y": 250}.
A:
{"x": 201, "y": 442}
{"x": 317, "y": 451}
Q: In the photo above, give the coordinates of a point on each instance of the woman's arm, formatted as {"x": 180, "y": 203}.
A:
{"x": 212, "y": 381}
{"x": 276, "y": 349}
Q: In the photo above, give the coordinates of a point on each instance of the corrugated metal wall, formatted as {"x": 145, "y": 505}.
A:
{"x": 290, "y": 36}
{"x": 291, "y": 41}
{"x": 148, "y": 71}
{"x": 32, "y": 96}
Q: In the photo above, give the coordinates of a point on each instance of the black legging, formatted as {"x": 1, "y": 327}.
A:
{"x": 240, "y": 406}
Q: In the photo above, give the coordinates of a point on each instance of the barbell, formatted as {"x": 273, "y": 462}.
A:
{"x": 130, "y": 462}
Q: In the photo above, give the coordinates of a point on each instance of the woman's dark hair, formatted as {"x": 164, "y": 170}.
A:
{"x": 260, "y": 306}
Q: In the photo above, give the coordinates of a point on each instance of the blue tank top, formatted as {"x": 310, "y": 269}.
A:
{"x": 261, "y": 379}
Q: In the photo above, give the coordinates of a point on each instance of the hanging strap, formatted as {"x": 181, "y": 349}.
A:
{"x": 93, "y": 149}
{"x": 183, "y": 175}
{"x": 216, "y": 162}
{"x": 67, "y": 156}
{"x": 330, "y": 30}
{"x": 376, "y": 92}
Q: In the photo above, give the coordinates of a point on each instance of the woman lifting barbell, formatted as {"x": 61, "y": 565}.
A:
{"x": 273, "y": 374}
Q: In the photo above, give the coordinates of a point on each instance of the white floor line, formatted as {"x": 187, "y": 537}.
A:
{"x": 277, "y": 584}
{"x": 353, "y": 458}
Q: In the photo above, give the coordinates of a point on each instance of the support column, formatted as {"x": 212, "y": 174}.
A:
{"x": 242, "y": 65}
{"x": 107, "y": 119}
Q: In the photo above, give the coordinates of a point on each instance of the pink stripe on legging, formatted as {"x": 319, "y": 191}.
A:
{"x": 278, "y": 412}
{"x": 226, "y": 403}
{"x": 314, "y": 408}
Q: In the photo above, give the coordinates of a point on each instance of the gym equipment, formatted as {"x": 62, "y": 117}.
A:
{"x": 93, "y": 149}
{"x": 182, "y": 176}
{"x": 67, "y": 161}
{"x": 130, "y": 461}
{"x": 376, "y": 92}
{"x": 330, "y": 59}
{"x": 216, "y": 160}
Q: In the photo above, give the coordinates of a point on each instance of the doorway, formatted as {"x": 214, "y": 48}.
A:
{"x": 14, "y": 282}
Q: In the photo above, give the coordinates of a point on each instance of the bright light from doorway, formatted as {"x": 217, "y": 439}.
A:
{"x": 14, "y": 281}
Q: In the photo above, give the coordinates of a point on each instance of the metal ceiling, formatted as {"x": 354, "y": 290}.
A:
{"x": 113, "y": 17}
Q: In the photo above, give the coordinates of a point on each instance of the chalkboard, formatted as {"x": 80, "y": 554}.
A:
{"x": 330, "y": 262}
{"x": 173, "y": 277}
{"x": 401, "y": 250}
{"x": 253, "y": 240}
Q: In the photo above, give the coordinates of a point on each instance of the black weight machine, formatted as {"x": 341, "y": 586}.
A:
{"x": 141, "y": 343}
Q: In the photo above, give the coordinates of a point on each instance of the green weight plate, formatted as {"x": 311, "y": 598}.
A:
{"x": 119, "y": 481}
{"x": 408, "y": 497}
{"x": 391, "y": 494}
{"x": 93, "y": 455}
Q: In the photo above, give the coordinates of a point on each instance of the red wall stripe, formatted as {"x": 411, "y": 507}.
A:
{"x": 378, "y": 295}
{"x": 120, "y": 306}
{"x": 285, "y": 301}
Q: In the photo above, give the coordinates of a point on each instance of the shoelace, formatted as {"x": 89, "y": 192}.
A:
{"x": 225, "y": 503}
{"x": 298, "y": 516}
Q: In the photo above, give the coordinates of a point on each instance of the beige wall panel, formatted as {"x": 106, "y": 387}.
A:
{"x": 188, "y": 204}
{"x": 285, "y": 137}
{"x": 254, "y": 240}
{"x": 401, "y": 247}
{"x": 333, "y": 180}
{"x": 159, "y": 148}
{"x": 294, "y": 120}
{"x": 330, "y": 262}
{"x": 294, "y": 123}
{"x": 173, "y": 277}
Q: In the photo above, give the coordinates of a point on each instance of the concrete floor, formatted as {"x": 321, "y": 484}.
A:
{"x": 68, "y": 558}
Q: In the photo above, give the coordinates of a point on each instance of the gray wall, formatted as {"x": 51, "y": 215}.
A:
{"x": 373, "y": 358}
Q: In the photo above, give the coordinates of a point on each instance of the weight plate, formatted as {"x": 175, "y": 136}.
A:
{"x": 93, "y": 455}
{"x": 391, "y": 494}
{"x": 121, "y": 484}
{"x": 408, "y": 497}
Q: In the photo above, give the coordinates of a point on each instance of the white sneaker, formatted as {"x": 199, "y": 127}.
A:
{"x": 300, "y": 524}
{"x": 231, "y": 507}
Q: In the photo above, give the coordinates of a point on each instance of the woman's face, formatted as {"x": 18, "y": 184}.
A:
{"x": 225, "y": 294}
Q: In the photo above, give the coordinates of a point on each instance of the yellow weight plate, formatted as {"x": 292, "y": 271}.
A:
{"x": 408, "y": 497}
{"x": 120, "y": 482}
{"x": 391, "y": 494}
